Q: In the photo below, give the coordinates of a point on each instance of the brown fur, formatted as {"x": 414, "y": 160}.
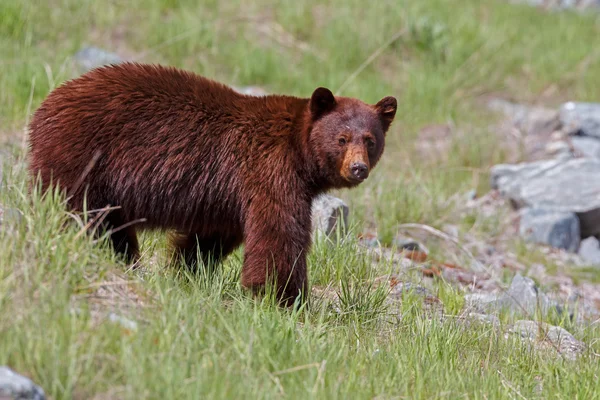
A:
{"x": 184, "y": 153}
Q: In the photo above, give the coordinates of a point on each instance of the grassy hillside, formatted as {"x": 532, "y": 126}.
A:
{"x": 202, "y": 336}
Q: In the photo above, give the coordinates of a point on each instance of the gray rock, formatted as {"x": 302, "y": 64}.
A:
{"x": 123, "y": 322}
{"x": 17, "y": 387}
{"x": 92, "y": 57}
{"x": 556, "y": 185}
{"x": 558, "y": 338}
{"x": 328, "y": 214}
{"x": 586, "y": 146}
{"x": 590, "y": 250}
{"x": 554, "y": 228}
{"x": 581, "y": 118}
{"x": 522, "y": 297}
{"x": 405, "y": 243}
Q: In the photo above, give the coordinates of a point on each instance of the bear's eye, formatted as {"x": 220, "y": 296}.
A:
{"x": 370, "y": 143}
{"x": 342, "y": 141}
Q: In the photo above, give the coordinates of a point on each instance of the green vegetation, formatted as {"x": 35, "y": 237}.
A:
{"x": 203, "y": 336}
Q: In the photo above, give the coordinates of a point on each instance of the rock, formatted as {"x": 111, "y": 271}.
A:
{"x": 92, "y": 57}
{"x": 522, "y": 297}
{"x": 586, "y": 146}
{"x": 557, "y": 229}
{"x": 123, "y": 322}
{"x": 558, "y": 338}
{"x": 589, "y": 250}
{"x": 18, "y": 387}
{"x": 581, "y": 118}
{"x": 328, "y": 214}
{"x": 405, "y": 243}
{"x": 555, "y": 185}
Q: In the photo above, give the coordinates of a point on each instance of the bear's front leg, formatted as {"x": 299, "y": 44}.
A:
{"x": 277, "y": 240}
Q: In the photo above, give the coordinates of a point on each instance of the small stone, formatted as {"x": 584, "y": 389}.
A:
{"x": 589, "y": 250}
{"x": 581, "y": 118}
{"x": 328, "y": 215}
{"x": 406, "y": 243}
{"x": 89, "y": 58}
{"x": 123, "y": 322}
{"x": 523, "y": 296}
{"x": 556, "y": 229}
{"x": 559, "y": 339}
{"x": 18, "y": 387}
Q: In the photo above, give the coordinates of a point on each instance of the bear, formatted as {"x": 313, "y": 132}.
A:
{"x": 170, "y": 150}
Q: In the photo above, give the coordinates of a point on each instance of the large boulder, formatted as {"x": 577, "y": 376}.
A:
{"x": 555, "y": 228}
{"x": 563, "y": 185}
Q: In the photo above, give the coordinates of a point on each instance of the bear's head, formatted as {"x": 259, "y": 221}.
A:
{"x": 347, "y": 136}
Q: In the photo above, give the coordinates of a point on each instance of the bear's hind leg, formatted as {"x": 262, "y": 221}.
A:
{"x": 212, "y": 249}
{"x": 123, "y": 237}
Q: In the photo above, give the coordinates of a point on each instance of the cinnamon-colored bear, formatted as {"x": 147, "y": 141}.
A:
{"x": 176, "y": 151}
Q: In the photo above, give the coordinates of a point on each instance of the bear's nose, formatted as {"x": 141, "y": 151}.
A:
{"x": 359, "y": 170}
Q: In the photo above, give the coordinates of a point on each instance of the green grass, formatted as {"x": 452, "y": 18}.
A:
{"x": 203, "y": 336}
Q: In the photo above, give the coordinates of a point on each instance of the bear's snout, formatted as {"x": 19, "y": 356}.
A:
{"x": 359, "y": 171}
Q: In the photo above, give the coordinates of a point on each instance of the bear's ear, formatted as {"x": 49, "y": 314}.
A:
{"x": 386, "y": 108}
{"x": 321, "y": 101}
